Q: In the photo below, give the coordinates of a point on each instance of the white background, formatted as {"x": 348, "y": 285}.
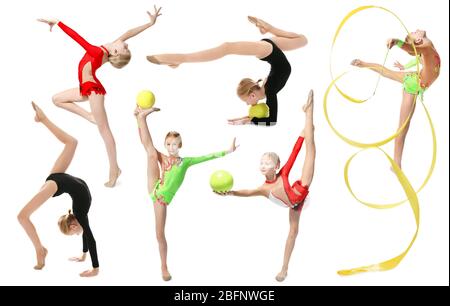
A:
{"x": 213, "y": 240}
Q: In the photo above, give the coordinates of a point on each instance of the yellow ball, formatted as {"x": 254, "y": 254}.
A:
{"x": 260, "y": 110}
{"x": 145, "y": 99}
{"x": 221, "y": 181}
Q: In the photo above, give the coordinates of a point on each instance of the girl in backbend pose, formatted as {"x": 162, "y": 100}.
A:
{"x": 57, "y": 183}
{"x": 268, "y": 49}
{"x": 413, "y": 84}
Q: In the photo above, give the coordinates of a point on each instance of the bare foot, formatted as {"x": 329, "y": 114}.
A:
{"x": 40, "y": 116}
{"x": 310, "y": 102}
{"x": 41, "y": 254}
{"x": 358, "y": 63}
{"x": 281, "y": 276}
{"x": 263, "y": 26}
{"x": 398, "y": 164}
{"x": 143, "y": 113}
{"x": 158, "y": 60}
{"x": 166, "y": 276}
{"x": 113, "y": 176}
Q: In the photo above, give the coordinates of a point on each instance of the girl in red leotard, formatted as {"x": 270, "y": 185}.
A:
{"x": 91, "y": 89}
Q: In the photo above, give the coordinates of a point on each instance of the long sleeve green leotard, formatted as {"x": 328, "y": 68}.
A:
{"x": 411, "y": 63}
{"x": 173, "y": 177}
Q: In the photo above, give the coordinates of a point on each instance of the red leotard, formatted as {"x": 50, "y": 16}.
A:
{"x": 94, "y": 55}
{"x": 297, "y": 186}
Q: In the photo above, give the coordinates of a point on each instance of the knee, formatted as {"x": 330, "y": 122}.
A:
{"x": 303, "y": 40}
{"x": 226, "y": 46}
{"x": 21, "y": 217}
{"x": 73, "y": 142}
{"x": 160, "y": 236}
{"x": 103, "y": 128}
{"x": 56, "y": 100}
{"x": 293, "y": 233}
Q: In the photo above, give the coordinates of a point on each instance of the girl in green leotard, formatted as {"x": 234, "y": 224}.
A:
{"x": 163, "y": 185}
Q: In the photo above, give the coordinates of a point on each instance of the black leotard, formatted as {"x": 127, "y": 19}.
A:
{"x": 81, "y": 202}
{"x": 280, "y": 71}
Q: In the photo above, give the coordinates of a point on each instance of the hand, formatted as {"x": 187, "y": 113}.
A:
{"x": 239, "y": 121}
{"x": 78, "y": 259}
{"x": 233, "y": 146}
{"x": 357, "y": 63}
{"x": 50, "y": 22}
{"x": 90, "y": 273}
{"x": 391, "y": 42}
{"x": 155, "y": 15}
{"x": 399, "y": 66}
{"x": 224, "y": 193}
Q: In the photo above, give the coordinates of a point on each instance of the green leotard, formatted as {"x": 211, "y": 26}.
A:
{"x": 164, "y": 191}
{"x": 411, "y": 63}
{"x": 411, "y": 80}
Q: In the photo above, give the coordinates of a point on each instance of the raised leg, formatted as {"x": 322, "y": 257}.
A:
{"x": 285, "y": 40}
{"x": 70, "y": 143}
{"x": 259, "y": 49}
{"x": 383, "y": 71}
{"x": 153, "y": 171}
{"x": 308, "y": 132}
{"x": 66, "y": 100}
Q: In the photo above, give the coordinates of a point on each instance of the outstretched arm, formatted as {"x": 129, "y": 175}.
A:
{"x": 135, "y": 31}
{"x": 89, "y": 245}
{"x": 196, "y": 160}
{"x": 243, "y": 193}
{"x": 240, "y": 121}
{"x": 92, "y": 50}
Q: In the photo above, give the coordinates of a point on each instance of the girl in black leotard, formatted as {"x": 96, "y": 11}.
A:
{"x": 269, "y": 50}
{"x": 56, "y": 184}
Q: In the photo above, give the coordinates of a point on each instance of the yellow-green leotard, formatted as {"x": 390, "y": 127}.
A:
{"x": 173, "y": 177}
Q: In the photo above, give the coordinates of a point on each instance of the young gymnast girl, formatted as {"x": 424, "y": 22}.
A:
{"x": 90, "y": 88}
{"x": 269, "y": 50}
{"x": 413, "y": 84}
{"x": 277, "y": 187}
{"x": 163, "y": 183}
{"x": 57, "y": 183}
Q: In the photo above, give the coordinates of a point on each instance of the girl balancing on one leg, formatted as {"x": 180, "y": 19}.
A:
{"x": 57, "y": 183}
{"x": 91, "y": 89}
{"x": 163, "y": 183}
{"x": 277, "y": 187}
{"x": 413, "y": 84}
{"x": 269, "y": 50}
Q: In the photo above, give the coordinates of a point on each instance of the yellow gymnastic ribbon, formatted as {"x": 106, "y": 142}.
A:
{"x": 411, "y": 194}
